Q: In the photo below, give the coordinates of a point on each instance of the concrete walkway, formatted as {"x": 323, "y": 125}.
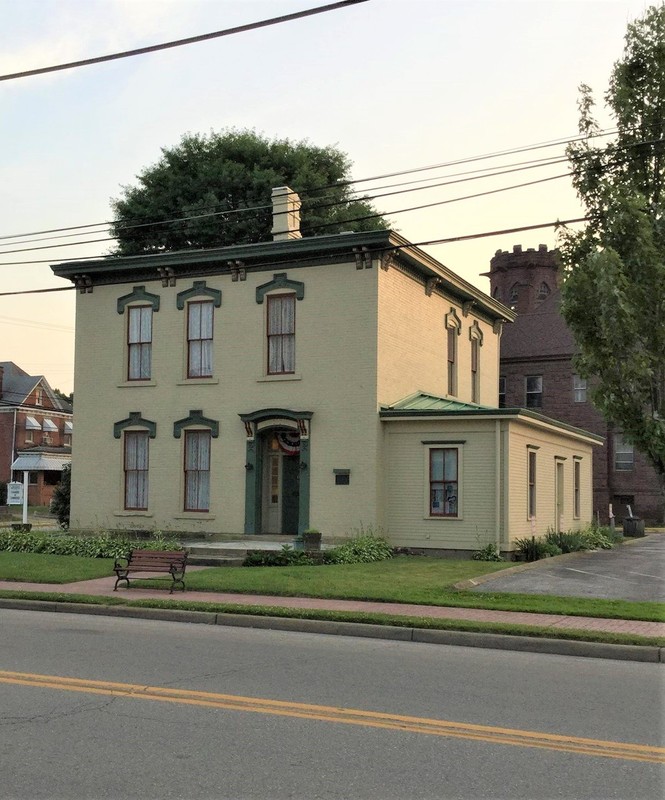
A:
{"x": 103, "y": 587}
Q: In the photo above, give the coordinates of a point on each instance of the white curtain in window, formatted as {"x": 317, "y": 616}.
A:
{"x": 140, "y": 324}
{"x": 281, "y": 334}
{"x": 197, "y": 470}
{"x": 136, "y": 470}
{"x": 139, "y": 337}
{"x": 199, "y": 334}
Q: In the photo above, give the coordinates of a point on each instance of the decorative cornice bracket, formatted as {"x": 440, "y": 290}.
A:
{"x": 238, "y": 270}
{"x": 167, "y": 274}
{"x": 83, "y": 283}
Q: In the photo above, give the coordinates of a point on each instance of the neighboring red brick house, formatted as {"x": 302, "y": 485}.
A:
{"x": 35, "y": 432}
{"x": 537, "y": 372}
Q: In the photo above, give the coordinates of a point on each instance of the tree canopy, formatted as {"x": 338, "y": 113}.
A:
{"x": 614, "y": 269}
{"x": 212, "y": 185}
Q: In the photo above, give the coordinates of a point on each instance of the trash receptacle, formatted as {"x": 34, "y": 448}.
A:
{"x": 633, "y": 526}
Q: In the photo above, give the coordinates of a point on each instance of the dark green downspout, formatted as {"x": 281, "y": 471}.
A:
{"x": 303, "y": 493}
{"x": 252, "y": 488}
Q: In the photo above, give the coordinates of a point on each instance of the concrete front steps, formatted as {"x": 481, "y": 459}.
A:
{"x": 231, "y": 552}
{"x": 215, "y": 557}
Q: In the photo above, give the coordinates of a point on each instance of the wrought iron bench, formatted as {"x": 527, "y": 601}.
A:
{"x": 172, "y": 562}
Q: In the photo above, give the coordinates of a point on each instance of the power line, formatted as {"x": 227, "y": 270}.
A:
{"x": 41, "y": 291}
{"x": 331, "y": 224}
{"x": 23, "y": 322}
{"x": 466, "y": 160}
{"x": 443, "y": 202}
{"x": 180, "y": 42}
{"x": 449, "y": 240}
{"x": 473, "y": 177}
{"x": 486, "y": 173}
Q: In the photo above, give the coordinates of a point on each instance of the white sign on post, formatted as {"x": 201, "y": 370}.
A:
{"x": 14, "y": 493}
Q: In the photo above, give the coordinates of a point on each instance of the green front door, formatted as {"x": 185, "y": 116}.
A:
{"x": 290, "y": 494}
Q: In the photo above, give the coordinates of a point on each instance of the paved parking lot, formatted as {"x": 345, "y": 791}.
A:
{"x": 635, "y": 571}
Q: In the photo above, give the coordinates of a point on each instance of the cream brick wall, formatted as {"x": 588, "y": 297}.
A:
{"x": 336, "y": 380}
{"x": 364, "y": 337}
{"x": 412, "y": 343}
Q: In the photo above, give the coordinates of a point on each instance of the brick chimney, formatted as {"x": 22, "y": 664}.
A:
{"x": 285, "y": 214}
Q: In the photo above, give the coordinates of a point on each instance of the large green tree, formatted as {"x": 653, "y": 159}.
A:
{"x": 614, "y": 284}
{"x": 214, "y": 184}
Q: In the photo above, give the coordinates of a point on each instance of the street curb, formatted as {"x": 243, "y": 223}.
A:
{"x": 494, "y": 641}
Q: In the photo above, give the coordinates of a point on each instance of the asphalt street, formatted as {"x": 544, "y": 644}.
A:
{"x": 635, "y": 571}
{"x": 202, "y": 711}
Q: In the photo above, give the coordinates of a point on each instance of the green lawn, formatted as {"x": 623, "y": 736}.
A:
{"x": 407, "y": 579}
{"x": 46, "y": 568}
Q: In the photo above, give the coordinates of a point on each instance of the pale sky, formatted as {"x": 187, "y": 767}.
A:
{"x": 396, "y": 84}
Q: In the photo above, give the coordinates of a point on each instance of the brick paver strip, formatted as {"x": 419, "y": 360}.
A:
{"x": 101, "y": 587}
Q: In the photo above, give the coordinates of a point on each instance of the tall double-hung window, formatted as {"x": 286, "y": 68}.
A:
{"x": 531, "y": 484}
{"x": 199, "y": 338}
{"x": 453, "y": 328}
{"x": 139, "y": 343}
{"x": 136, "y": 470}
{"x": 475, "y": 376}
{"x": 444, "y": 482}
{"x": 197, "y": 470}
{"x": 452, "y": 361}
{"x": 476, "y": 339}
{"x": 281, "y": 329}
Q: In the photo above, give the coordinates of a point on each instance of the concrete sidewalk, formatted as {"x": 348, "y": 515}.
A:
{"x": 103, "y": 587}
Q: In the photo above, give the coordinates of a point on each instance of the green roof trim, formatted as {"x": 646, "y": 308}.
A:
{"x": 421, "y": 401}
{"x": 289, "y": 254}
{"x": 425, "y": 406}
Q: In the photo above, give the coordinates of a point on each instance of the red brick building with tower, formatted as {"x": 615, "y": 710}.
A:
{"x": 537, "y": 372}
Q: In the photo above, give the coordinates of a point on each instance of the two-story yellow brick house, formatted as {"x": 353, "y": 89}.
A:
{"x": 327, "y": 382}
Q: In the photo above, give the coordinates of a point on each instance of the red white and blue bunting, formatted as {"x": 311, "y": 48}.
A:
{"x": 289, "y": 442}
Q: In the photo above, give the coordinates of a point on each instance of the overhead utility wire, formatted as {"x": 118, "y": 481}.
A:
{"x": 282, "y": 213}
{"x": 497, "y": 154}
{"x": 317, "y": 227}
{"x": 180, "y": 42}
{"x": 533, "y": 163}
{"x": 450, "y": 240}
{"x": 440, "y": 202}
{"x": 332, "y": 224}
{"x": 469, "y": 159}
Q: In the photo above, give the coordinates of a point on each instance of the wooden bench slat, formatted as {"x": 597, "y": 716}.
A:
{"x": 171, "y": 562}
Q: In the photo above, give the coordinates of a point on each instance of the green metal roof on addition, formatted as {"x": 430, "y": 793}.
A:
{"x": 420, "y": 401}
{"x": 422, "y": 405}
